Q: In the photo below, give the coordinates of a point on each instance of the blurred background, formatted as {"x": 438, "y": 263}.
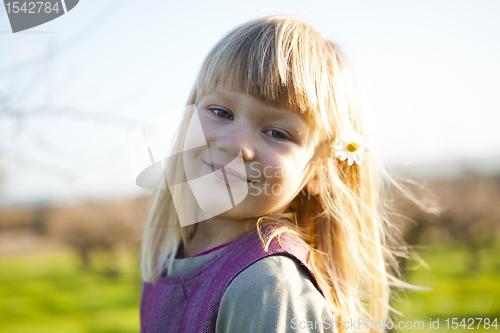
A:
{"x": 73, "y": 89}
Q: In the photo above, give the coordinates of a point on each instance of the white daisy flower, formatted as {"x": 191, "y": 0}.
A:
{"x": 352, "y": 148}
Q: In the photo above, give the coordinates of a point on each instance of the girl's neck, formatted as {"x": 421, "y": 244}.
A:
{"x": 215, "y": 232}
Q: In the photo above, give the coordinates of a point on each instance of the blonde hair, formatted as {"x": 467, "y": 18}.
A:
{"x": 283, "y": 61}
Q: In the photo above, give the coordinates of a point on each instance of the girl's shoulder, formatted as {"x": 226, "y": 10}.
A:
{"x": 274, "y": 294}
{"x": 275, "y": 271}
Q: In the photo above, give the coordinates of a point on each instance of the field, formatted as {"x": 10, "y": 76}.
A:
{"x": 52, "y": 293}
{"x": 455, "y": 293}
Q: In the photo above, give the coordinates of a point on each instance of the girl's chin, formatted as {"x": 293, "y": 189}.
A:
{"x": 213, "y": 197}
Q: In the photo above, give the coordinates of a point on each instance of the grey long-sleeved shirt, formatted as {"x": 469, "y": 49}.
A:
{"x": 272, "y": 295}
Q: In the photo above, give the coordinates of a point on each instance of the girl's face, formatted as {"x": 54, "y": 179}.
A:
{"x": 264, "y": 152}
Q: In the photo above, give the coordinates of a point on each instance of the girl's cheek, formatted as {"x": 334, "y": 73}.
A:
{"x": 195, "y": 135}
{"x": 207, "y": 126}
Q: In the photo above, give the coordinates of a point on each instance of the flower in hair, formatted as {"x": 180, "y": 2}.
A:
{"x": 352, "y": 148}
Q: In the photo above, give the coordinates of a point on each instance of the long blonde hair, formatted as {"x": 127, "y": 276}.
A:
{"x": 285, "y": 62}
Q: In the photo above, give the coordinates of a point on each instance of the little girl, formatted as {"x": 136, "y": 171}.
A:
{"x": 271, "y": 221}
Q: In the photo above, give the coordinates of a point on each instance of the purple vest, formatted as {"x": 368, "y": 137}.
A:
{"x": 190, "y": 302}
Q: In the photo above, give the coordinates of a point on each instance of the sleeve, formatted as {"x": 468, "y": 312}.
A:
{"x": 275, "y": 294}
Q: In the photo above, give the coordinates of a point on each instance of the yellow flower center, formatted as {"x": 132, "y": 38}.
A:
{"x": 352, "y": 147}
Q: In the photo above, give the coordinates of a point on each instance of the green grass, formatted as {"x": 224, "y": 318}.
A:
{"x": 455, "y": 292}
{"x": 52, "y": 293}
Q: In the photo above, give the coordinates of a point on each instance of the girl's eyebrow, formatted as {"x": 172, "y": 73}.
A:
{"x": 218, "y": 94}
{"x": 227, "y": 97}
{"x": 294, "y": 120}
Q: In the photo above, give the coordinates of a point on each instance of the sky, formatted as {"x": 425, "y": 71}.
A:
{"x": 73, "y": 89}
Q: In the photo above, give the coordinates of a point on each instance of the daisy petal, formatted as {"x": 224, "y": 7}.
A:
{"x": 363, "y": 147}
{"x": 355, "y": 156}
{"x": 350, "y": 160}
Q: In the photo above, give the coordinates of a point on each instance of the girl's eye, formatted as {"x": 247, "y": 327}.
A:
{"x": 222, "y": 113}
{"x": 276, "y": 134}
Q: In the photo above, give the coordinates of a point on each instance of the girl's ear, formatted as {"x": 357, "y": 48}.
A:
{"x": 313, "y": 185}
{"x": 341, "y": 164}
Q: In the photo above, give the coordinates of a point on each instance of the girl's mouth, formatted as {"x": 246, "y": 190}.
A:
{"x": 227, "y": 174}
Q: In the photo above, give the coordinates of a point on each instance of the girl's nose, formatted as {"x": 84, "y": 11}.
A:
{"x": 232, "y": 145}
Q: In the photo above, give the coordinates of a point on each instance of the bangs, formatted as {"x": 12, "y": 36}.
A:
{"x": 282, "y": 61}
